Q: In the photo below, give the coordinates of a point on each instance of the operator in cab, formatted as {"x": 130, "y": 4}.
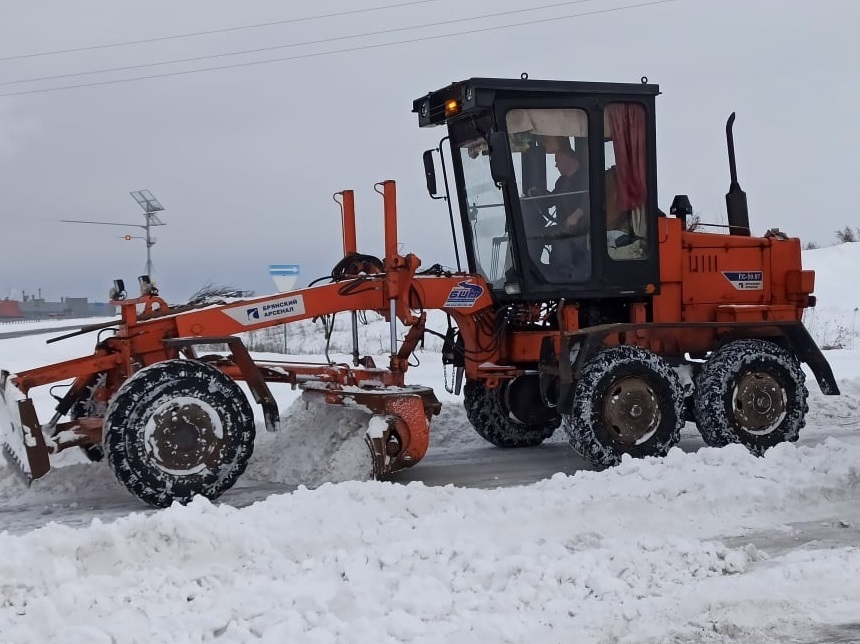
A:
{"x": 569, "y": 200}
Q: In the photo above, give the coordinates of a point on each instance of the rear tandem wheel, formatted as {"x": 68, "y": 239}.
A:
{"x": 751, "y": 392}
{"x": 177, "y": 429}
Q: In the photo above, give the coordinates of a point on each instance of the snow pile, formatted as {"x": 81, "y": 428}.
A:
{"x": 316, "y": 444}
{"x": 834, "y": 321}
{"x": 632, "y": 554}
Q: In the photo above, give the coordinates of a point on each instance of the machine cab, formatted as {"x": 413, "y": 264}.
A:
{"x": 556, "y": 183}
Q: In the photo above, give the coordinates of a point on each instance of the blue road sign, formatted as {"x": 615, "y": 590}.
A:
{"x": 288, "y": 270}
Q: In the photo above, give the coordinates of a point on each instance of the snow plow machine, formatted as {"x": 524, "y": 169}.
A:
{"x": 581, "y": 304}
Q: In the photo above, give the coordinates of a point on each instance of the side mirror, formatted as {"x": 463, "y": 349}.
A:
{"x": 430, "y": 172}
{"x": 500, "y": 155}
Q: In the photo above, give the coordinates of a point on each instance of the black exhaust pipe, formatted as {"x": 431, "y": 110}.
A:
{"x": 736, "y": 199}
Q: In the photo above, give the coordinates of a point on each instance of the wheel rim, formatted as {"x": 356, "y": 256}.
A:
{"x": 631, "y": 410}
{"x": 759, "y": 403}
{"x": 184, "y": 436}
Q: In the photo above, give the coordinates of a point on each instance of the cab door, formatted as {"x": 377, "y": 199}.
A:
{"x": 549, "y": 194}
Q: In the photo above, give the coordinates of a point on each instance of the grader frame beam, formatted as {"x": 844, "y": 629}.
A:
{"x": 150, "y": 332}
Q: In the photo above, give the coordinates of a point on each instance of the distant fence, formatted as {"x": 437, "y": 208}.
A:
{"x": 64, "y": 318}
{"x": 28, "y": 320}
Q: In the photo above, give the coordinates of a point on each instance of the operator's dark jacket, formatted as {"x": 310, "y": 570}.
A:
{"x": 571, "y": 192}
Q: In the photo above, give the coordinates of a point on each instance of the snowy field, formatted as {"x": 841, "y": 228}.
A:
{"x": 705, "y": 545}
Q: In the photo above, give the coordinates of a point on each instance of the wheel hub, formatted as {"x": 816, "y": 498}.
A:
{"x": 184, "y": 436}
{"x": 759, "y": 403}
{"x": 522, "y": 397}
{"x": 631, "y": 410}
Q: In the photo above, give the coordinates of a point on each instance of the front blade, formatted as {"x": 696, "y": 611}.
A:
{"x": 23, "y": 442}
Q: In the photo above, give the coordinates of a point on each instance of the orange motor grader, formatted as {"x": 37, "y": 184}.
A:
{"x": 581, "y": 303}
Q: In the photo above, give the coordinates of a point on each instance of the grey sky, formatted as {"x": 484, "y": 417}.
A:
{"x": 245, "y": 160}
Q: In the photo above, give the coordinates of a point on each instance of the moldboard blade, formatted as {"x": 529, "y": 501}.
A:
{"x": 23, "y": 442}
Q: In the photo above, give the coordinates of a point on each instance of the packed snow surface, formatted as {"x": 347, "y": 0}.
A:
{"x": 704, "y": 545}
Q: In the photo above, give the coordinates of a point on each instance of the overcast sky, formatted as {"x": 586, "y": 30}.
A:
{"x": 245, "y": 159}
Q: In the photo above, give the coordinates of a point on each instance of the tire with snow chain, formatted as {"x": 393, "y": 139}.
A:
{"x": 177, "y": 429}
{"x": 751, "y": 392}
{"x": 489, "y": 412}
{"x": 627, "y": 401}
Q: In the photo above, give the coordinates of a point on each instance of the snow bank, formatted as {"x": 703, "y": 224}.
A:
{"x": 632, "y": 554}
{"x": 834, "y": 321}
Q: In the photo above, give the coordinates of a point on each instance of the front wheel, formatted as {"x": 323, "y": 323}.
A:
{"x": 177, "y": 429}
{"x": 751, "y": 392}
{"x": 627, "y": 401}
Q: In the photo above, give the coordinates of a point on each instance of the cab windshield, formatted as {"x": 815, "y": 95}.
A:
{"x": 485, "y": 211}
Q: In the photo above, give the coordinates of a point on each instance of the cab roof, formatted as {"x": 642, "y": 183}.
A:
{"x": 480, "y": 93}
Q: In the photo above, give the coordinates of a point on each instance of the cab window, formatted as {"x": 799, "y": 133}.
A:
{"x": 625, "y": 181}
{"x": 485, "y": 212}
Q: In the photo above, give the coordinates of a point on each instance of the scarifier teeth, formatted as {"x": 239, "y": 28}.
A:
{"x": 18, "y": 466}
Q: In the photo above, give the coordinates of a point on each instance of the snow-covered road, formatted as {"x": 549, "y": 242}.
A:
{"x": 708, "y": 546}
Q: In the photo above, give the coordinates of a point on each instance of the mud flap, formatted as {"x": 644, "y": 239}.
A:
{"x": 23, "y": 442}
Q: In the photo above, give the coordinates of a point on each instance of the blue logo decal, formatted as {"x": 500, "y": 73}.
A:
{"x": 253, "y": 314}
{"x": 464, "y": 295}
{"x": 746, "y": 280}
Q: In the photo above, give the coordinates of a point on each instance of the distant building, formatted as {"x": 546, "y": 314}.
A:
{"x": 36, "y": 308}
{"x": 10, "y": 309}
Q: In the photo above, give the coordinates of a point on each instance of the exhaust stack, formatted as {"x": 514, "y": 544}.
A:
{"x": 736, "y": 199}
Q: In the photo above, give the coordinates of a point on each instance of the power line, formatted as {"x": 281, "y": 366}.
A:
{"x": 341, "y": 51}
{"x": 291, "y": 45}
{"x": 215, "y": 31}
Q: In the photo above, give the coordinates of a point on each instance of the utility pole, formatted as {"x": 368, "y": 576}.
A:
{"x": 151, "y": 207}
